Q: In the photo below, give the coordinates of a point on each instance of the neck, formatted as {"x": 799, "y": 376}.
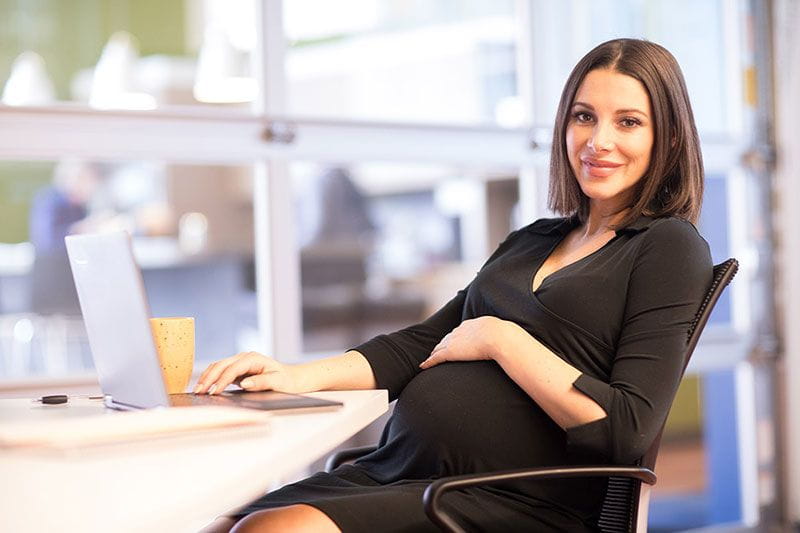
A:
{"x": 600, "y": 222}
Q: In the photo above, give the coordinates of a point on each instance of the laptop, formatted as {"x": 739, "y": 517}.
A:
{"x": 116, "y": 315}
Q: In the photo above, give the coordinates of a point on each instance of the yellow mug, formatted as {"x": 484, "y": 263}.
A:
{"x": 174, "y": 340}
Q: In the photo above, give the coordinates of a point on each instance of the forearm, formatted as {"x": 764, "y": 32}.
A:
{"x": 341, "y": 372}
{"x": 545, "y": 377}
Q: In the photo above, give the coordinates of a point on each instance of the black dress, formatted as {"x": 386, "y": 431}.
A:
{"x": 620, "y": 315}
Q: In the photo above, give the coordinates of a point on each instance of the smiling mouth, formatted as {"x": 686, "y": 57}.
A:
{"x": 600, "y": 163}
{"x": 599, "y": 169}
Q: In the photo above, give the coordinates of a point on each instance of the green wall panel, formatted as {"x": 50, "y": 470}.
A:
{"x": 70, "y": 35}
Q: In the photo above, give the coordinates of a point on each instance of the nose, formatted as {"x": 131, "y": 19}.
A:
{"x": 602, "y": 139}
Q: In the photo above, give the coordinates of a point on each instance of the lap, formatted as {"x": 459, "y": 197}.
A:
{"x": 356, "y": 503}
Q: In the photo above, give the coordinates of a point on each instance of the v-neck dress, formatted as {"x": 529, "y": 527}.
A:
{"x": 620, "y": 315}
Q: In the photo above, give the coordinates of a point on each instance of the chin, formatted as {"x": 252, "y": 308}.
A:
{"x": 594, "y": 192}
{"x": 598, "y": 196}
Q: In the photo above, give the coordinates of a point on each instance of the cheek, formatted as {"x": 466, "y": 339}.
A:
{"x": 573, "y": 142}
{"x": 570, "y": 138}
{"x": 640, "y": 152}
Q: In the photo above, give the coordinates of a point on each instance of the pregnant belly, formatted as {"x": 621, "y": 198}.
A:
{"x": 464, "y": 417}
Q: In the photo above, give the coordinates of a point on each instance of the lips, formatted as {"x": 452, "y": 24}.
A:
{"x": 599, "y": 168}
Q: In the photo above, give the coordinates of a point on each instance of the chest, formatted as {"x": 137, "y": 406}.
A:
{"x": 571, "y": 249}
{"x": 564, "y": 296}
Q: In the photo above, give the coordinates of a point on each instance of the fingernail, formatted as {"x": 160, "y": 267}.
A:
{"x": 247, "y": 383}
{"x": 197, "y": 388}
{"x": 212, "y": 388}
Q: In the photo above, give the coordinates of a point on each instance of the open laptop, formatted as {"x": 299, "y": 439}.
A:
{"x": 116, "y": 315}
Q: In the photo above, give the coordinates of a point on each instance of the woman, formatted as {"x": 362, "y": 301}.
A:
{"x": 566, "y": 348}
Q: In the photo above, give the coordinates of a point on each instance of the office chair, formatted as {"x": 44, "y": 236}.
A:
{"x": 628, "y": 490}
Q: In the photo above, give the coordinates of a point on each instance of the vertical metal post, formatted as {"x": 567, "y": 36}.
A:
{"x": 785, "y": 15}
{"x": 276, "y": 258}
{"x": 526, "y": 81}
{"x": 759, "y": 162}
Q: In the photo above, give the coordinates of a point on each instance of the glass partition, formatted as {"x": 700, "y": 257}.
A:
{"x": 377, "y": 59}
{"x": 383, "y": 246}
{"x": 192, "y": 229}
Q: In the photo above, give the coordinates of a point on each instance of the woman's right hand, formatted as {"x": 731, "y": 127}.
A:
{"x": 253, "y": 372}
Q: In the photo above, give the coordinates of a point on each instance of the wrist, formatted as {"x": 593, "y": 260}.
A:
{"x": 503, "y": 340}
{"x": 304, "y": 377}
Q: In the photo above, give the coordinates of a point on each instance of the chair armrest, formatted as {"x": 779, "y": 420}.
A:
{"x": 348, "y": 454}
{"x": 431, "y": 499}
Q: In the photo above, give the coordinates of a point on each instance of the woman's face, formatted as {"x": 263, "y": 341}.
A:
{"x": 609, "y": 138}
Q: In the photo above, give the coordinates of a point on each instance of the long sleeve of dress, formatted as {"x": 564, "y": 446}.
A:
{"x": 395, "y": 357}
{"x": 668, "y": 279}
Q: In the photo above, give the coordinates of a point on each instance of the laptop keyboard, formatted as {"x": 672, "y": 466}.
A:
{"x": 186, "y": 400}
{"x": 265, "y": 400}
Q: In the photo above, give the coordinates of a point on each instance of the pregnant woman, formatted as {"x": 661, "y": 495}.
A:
{"x": 565, "y": 349}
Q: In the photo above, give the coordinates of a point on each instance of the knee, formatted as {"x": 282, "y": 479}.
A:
{"x": 295, "y": 518}
{"x": 258, "y": 521}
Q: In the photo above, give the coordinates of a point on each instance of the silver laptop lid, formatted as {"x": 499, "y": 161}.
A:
{"x": 116, "y": 315}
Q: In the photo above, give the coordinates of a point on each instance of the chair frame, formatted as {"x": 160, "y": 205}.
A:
{"x": 628, "y": 493}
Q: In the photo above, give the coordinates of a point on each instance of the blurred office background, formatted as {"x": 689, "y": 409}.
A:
{"x": 302, "y": 175}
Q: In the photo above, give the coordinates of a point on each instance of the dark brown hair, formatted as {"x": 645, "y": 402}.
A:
{"x": 673, "y": 182}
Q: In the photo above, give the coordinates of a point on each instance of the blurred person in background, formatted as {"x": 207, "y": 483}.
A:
{"x": 63, "y": 207}
{"x": 58, "y": 210}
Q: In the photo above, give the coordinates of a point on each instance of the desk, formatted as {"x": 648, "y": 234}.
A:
{"x": 178, "y": 484}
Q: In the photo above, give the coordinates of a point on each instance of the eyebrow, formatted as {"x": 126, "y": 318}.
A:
{"x": 618, "y": 111}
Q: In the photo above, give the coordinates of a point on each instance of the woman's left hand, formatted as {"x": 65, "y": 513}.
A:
{"x": 473, "y": 340}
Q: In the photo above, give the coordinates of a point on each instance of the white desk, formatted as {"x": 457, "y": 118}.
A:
{"x": 177, "y": 484}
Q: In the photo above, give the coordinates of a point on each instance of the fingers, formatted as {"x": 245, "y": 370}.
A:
{"x": 246, "y": 366}
{"x": 224, "y": 372}
{"x": 258, "y": 382}
{"x": 438, "y": 355}
{"x": 210, "y": 374}
{"x": 442, "y": 343}
{"x": 433, "y": 360}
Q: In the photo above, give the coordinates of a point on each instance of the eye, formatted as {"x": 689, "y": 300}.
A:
{"x": 582, "y": 117}
{"x": 630, "y": 122}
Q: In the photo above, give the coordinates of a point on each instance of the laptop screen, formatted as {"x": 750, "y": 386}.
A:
{"x": 116, "y": 315}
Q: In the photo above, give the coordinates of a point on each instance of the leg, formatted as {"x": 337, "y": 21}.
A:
{"x": 296, "y": 518}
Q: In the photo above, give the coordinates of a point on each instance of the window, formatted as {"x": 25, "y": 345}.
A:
{"x": 382, "y": 245}
{"x": 375, "y": 60}
{"x": 192, "y": 229}
{"x": 418, "y": 103}
{"x": 130, "y": 54}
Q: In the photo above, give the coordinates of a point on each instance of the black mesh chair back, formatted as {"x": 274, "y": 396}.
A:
{"x": 626, "y": 502}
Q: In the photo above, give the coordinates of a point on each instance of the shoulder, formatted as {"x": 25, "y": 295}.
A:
{"x": 547, "y": 225}
{"x": 673, "y": 243}
{"x": 673, "y": 231}
{"x": 49, "y": 198}
{"x": 543, "y": 226}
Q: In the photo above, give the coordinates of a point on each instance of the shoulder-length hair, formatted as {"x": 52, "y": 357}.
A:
{"x": 673, "y": 183}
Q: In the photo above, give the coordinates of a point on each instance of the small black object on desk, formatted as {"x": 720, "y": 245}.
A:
{"x": 54, "y": 399}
